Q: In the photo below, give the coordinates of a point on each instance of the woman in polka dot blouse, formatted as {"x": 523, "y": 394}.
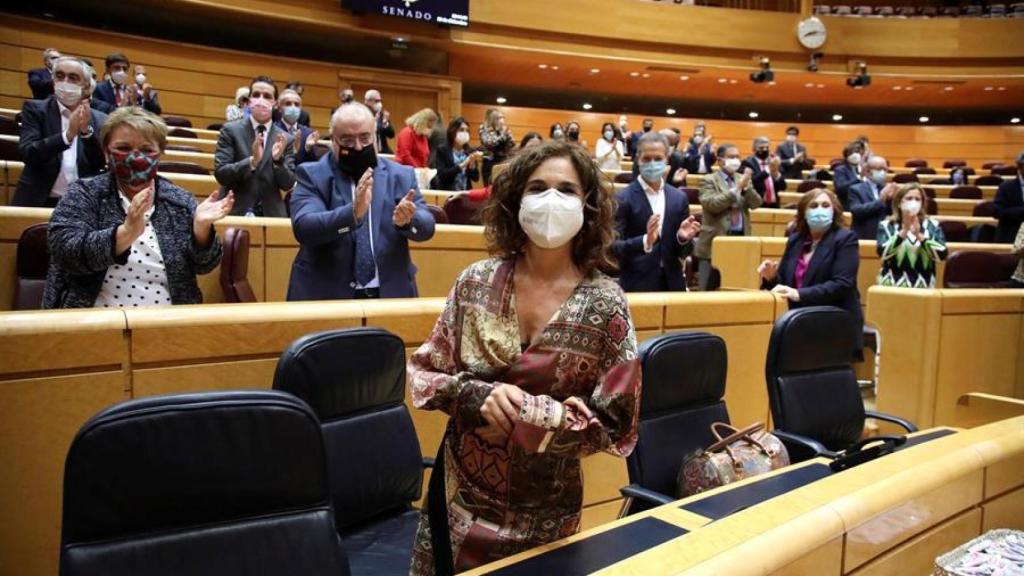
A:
{"x": 127, "y": 237}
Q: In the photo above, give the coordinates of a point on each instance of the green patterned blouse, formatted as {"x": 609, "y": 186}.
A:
{"x": 909, "y": 262}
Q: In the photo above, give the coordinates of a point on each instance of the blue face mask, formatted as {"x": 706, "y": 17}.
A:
{"x": 958, "y": 177}
{"x": 291, "y": 113}
{"x": 878, "y": 177}
{"x": 819, "y": 219}
{"x": 652, "y": 171}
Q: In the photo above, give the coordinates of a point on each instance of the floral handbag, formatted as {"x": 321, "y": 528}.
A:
{"x": 737, "y": 455}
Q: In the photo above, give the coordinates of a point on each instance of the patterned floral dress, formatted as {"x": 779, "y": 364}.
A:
{"x": 503, "y": 499}
{"x": 909, "y": 262}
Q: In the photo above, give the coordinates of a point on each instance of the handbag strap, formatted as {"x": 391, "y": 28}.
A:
{"x": 437, "y": 514}
{"x": 734, "y": 436}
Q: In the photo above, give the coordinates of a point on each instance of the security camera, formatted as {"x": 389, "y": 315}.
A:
{"x": 861, "y": 78}
{"x": 812, "y": 65}
{"x": 765, "y": 74}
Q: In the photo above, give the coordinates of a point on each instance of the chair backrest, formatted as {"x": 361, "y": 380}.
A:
{"x": 835, "y": 163}
{"x": 215, "y": 126}
{"x": 808, "y": 185}
{"x": 354, "y": 380}
{"x": 462, "y": 210}
{"x": 991, "y": 165}
{"x": 904, "y": 178}
{"x": 812, "y": 387}
{"x": 234, "y": 267}
{"x": 929, "y": 192}
{"x": 966, "y": 193}
{"x": 986, "y": 209}
{"x": 683, "y": 386}
{"x": 968, "y": 269}
{"x": 954, "y": 163}
{"x": 438, "y": 213}
{"x": 182, "y": 148}
{"x": 9, "y": 126}
{"x": 319, "y": 150}
{"x": 916, "y": 163}
{"x": 988, "y": 180}
{"x": 1005, "y": 170}
{"x": 32, "y": 262}
{"x": 955, "y": 231}
{"x": 178, "y": 121}
{"x": 182, "y": 132}
{"x": 219, "y": 483}
{"x": 623, "y": 178}
{"x": 9, "y": 149}
{"x": 924, "y": 170}
{"x": 692, "y": 196}
{"x": 182, "y": 167}
{"x": 932, "y": 207}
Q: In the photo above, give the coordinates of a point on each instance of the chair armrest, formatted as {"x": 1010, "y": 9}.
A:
{"x": 428, "y": 462}
{"x": 649, "y": 496}
{"x": 802, "y": 445}
{"x": 890, "y": 418}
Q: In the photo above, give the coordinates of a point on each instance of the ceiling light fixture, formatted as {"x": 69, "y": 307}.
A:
{"x": 587, "y": 106}
{"x": 684, "y": 78}
{"x": 595, "y": 70}
{"x": 1015, "y": 120}
{"x": 989, "y": 88}
{"x": 1001, "y": 88}
{"x": 554, "y": 67}
{"x": 923, "y": 119}
{"x": 723, "y": 80}
{"x": 501, "y": 100}
{"x": 672, "y": 111}
{"x": 542, "y": 66}
{"x": 837, "y": 117}
{"x": 634, "y": 74}
{"x": 897, "y": 87}
{"x": 909, "y": 89}
{"x": 753, "y": 114}
{"x": 948, "y": 89}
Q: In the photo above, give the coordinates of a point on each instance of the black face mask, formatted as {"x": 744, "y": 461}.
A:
{"x": 648, "y": 128}
{"x": 762, "y": 154}
{"x": 353, "y": 163}
{"x": 574, "y": 135}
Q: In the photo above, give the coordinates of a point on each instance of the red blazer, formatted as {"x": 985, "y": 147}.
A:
{"x": 413, "y": 149}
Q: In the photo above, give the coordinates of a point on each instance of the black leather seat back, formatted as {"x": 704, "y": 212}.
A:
{"x": 32, "y": 263}
{"x": 220, "y": 483}
{"x": 354, "y": 380}
{"x": 812, "y": 387}
{"x": 683, "y": 385}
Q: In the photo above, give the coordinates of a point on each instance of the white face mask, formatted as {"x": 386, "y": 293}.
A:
{"x": 854, "y": 158}
{"x": 551, "y": 218}
{"x": 461, "y": 138}
{"x": 731, "y": 165}
{"x": 140, "y": 78}
{"x": 118, "y": 77}
{"x": 377, "y": 106}
{"x": 790, "y": 137}
{"x": 911, "y": 207}
{"x": 68, "y": 93}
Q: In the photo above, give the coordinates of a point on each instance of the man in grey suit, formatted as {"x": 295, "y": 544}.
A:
{"x": 792, "y": 155}
{"x": 255, "y": 158}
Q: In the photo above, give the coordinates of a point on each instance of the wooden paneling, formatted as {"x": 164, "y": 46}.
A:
{"x": 823, "y": 141}
{"x": 918, "y": 555}
{"x": 1007, "y": 511}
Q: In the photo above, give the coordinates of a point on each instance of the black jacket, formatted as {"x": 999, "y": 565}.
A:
{"x": 1009, "y": 208}
{"x": 82, "y": 236}
{"x": 41, "y": 145}
{"x": 831, "y": 277}
{"x": 447, "y": 170}
{"x": 661, "y": 268}
{"x": 759, "y": 177}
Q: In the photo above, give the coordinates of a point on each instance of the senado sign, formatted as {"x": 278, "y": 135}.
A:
{"x": 445, "y": 12}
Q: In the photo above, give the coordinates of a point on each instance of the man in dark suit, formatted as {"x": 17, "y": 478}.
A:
{"x": 123, "y": 91}
{"x": 59, "y": 139}
{"x": 1009, "y": 205}
{"x": 700, "y": 153}
{"x": 654, "y": 225}
{"x": 255, "y": 158}
{"x": 383, "y": 119}
{"x": 354, "y": 214}
{"x": 304, "y": 138}
{"x": 766, "y": 172}
{"x": 792, "y": 155}
{"x": 849, "y": 172}
{"x": 40, "y": 80}
{"x": 871, "y": 200}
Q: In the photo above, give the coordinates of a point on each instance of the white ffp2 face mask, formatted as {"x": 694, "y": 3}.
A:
{"x": 551, "y": 218}
{"x": 911, "y": 207}
{"x": 69, "y": 94}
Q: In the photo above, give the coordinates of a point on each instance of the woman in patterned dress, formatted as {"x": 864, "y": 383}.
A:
{"x": 534, "y": 361}
{"x": 909, "y": 242}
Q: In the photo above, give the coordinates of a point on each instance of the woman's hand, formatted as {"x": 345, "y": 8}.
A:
{"x": 791, "y": 294}
{"x": 501, "y": 407}
{"x": 134, "y": 220}
{"x": 209, "y": 212}
{"x": 768, "y": 270}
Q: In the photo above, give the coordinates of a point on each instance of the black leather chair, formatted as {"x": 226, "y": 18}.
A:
{"x": 967, "y": 269}
{"x": 812, "y": 387}
{"x": 182, "y": 167}
{"x": 988, "y": 180}
{"x": 684, "y": 382}
{"x": 213, "y": 484}
{"x": 438, "y": 213}
{"x": 354, "y": 380}
{"x": 32, "y": 263}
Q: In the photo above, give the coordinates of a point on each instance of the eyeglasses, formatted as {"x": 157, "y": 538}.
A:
{"x": 364, "y": 139}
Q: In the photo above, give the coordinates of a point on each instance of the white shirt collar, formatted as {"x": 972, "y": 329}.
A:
{"x": 64, "y": 110}
{"x": 648, "y": 189}
{"x": 255, "y": 124}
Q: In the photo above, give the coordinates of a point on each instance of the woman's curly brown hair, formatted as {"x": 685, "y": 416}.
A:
{"x": 591, "y": 247}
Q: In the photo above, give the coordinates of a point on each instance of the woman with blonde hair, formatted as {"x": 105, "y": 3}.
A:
{"x": 413, "y": 145}
{"x": 909, "y": 242}
{"x": 497, "y": 141}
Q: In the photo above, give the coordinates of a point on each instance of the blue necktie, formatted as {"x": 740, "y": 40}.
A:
{"x": 366, "y": 269}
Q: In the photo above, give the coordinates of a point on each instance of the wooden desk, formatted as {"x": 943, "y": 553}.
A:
{"x": 889, "y": 516}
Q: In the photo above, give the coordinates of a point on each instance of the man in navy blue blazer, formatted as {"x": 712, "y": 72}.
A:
{"x": 304, "y": 138}
{"x": 121, "y": 90}
{"x": 870, "y": 200}
{"x": 353, "y": 214}
{"x": 1009, "y": 205}
{"x": 40, "y": 80}
{"x": 653, "y": 221}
